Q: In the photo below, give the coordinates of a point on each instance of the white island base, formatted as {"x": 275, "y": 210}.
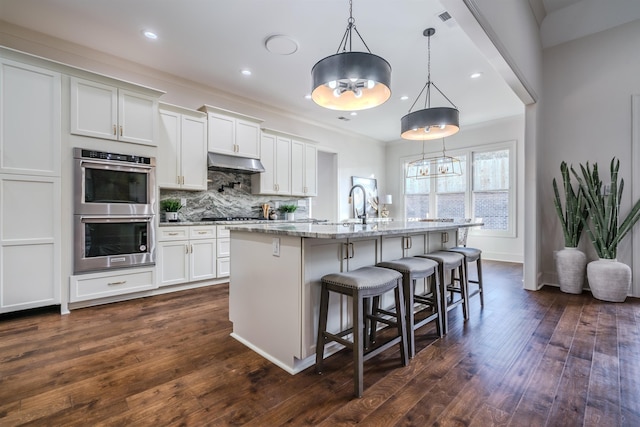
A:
{"x": 274, "y": 290}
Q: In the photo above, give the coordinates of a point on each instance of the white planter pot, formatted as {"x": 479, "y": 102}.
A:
{"x": 609, "y": 279}
{"x": 290, "y": 216}
{"x": 571, "y": 267}
{"x": 171, "y": 216}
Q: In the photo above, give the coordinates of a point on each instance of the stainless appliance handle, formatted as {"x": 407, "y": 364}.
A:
{"x": 106, "y": 219}
{"x": 117, "y": 165}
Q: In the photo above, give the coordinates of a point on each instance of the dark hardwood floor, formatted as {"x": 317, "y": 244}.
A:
{"x": 527, "y": 359}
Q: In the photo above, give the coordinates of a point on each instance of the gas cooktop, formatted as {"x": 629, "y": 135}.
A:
{"x": 230, "y": 218}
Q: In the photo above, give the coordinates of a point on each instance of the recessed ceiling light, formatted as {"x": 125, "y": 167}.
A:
{"x": 476, "y": 75}
{"x": 281, "y": 44}
{"x": 353, "y": 113}
{"x": 404, "y": 98}
{"x": 246, "y": 72}
{"x": 307, "y": 96}
{"x": 149, "y": 34}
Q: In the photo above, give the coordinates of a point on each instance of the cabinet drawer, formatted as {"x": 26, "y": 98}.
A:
{"x": 100, "y": 285}
{"x": 202, "y": 232}
{"x": 173, "y": 233}
{"x": 223, "y": 232}
{"x": 224, "y": 247}
{"x": 223, "y": 267}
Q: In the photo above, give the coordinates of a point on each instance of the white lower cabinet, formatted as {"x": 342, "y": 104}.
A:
{"x": 223, "y": 252}
{"x": 186, "y": 254}
{"x": 94, "y": 286}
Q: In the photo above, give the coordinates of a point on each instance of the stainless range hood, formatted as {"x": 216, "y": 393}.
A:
{"x": 226, "y": 163}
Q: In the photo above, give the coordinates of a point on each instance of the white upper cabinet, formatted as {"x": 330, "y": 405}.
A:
{"x": 182, "y": 148}
{"x": 232, "y": 133}
{"x": 275, "y": 154}
{"x": 304, "y": 169}
{"x": 30, "y": 128}
{"x": 104, "y": 111}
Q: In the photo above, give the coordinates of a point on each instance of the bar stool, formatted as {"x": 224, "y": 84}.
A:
{"x": 470, "y": 255}
{"x": 451, "y": 261}
{"x": 362, "y": 285}
{"x": 413, "y": 268}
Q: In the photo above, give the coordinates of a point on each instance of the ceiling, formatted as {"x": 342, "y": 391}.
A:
{"x": 210, "y": 42}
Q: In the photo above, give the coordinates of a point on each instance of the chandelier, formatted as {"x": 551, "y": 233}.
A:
{"x": 351, "y": 81}
{"x": 440, "y": 166}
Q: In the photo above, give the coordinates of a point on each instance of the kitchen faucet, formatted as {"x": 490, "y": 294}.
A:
{"x": 364, "y": 202}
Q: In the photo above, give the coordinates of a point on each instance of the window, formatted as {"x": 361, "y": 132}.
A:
{"x": 491, "y": 188}
{"x": 416, "y": 197}
{"x": 450, "y": 193}
{"x": 485, "y": 190}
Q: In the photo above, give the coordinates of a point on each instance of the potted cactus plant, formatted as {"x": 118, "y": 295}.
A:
{"x": 570, "y": 262}
{"x": 609, "y": 279}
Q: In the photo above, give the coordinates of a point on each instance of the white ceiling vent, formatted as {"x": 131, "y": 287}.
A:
{"x": 447, "y": 19}
{"x": 444, "y": 16}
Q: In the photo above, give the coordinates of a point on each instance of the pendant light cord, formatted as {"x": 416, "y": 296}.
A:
{"x": 427, "y": 86}
{"x": 351, "y": 26}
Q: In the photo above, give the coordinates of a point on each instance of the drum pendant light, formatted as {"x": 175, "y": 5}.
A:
{"x": 351, "y": 81}
{"x": 430, "y": 122}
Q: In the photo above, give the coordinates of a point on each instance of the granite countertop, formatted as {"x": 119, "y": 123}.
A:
{"x": 340, "y": 230}
{"x": 243, "y": 222}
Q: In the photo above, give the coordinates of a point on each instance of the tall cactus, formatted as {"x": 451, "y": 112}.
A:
{"x": 604, "y": 209}
{"x": 573, "y": 216}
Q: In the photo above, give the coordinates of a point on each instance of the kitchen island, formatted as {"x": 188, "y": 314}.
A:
{"x": 274, "y": 289}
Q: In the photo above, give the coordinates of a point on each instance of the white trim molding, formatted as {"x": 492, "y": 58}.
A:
{"x": 635, "y": 191}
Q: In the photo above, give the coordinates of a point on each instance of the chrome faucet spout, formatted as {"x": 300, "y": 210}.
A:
{"x": 364, "y": 201}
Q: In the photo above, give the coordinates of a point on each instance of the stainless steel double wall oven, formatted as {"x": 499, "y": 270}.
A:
{"x": 114, "y": 210}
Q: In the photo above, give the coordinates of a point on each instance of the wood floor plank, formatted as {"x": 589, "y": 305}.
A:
{"x": 526, "y": 358}
{"x": 629, "y": 354}
{"x": 603, "y": 398}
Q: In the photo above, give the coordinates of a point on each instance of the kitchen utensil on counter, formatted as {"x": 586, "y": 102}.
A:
{"x": 265, "y": 210}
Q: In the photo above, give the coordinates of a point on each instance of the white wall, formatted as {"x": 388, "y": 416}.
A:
{"x": 510, "y": 129}
{"x": 588, "y": 84}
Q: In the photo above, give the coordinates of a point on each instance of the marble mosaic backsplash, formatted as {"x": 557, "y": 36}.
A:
{"x": 234, "y": 199}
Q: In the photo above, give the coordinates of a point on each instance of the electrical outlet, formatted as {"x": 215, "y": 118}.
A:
{"x": 606, "y": 189}
{"x": 183, "y": 202}
{"x": 275, "y": 244}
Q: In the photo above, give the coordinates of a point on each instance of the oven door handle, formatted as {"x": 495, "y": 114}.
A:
{"x": 115, "y": 218}
{"x": 112, "y": 165}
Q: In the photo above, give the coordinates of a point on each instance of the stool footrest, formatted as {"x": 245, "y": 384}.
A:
{"x": 339, "y": 337}
{"x": 377, "y": 350}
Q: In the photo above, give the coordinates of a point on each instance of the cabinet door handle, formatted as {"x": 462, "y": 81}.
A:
{"x": 121, "y": 130}
{"x": 409, "y": 242}
{"x": 202, "y": 232}
{"x": 353, "y": 250}
{"x": 114, "y": 130}
{"x": 346, "y": 251}
{"x": 122, "y": 282}
{"x": 173, "y": 233}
